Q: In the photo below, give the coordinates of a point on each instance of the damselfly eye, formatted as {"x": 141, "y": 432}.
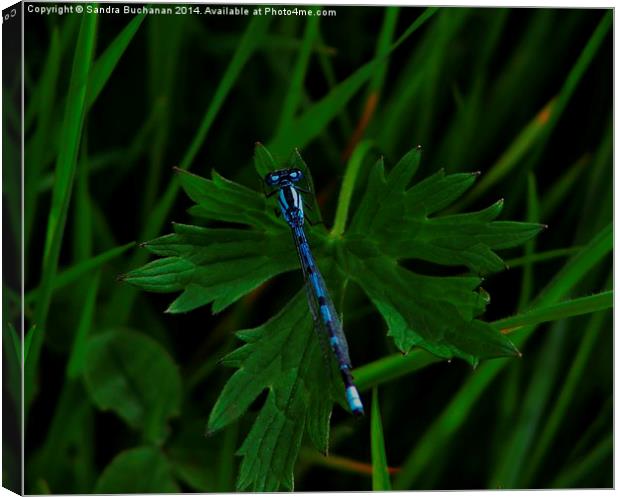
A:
{"x": 272, "y": 179}
{"x": 295, "y": 174}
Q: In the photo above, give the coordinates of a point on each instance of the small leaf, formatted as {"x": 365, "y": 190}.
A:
{"x": 380, "y": 473}
{"x": 131, "y": 374}
{"x": 141, "y": 470}
{"x": 263, "y": 160}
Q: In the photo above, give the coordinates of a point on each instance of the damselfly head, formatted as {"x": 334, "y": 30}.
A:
{"x": 283, "y": 176}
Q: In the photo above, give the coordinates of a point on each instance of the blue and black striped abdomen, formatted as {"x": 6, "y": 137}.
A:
{"x": 326, "y": 312}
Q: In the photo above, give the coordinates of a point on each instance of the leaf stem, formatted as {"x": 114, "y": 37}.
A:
{"x": 348, "y": 186}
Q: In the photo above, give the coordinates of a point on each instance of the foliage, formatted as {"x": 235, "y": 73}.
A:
{"x": 113, "y": 102}
{"x": 392, "y": 222}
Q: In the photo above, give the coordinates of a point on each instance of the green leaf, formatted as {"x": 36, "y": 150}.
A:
{"x": 131, "y": 374}
{"x": 393, "y": 222}
{"x": 380, "y": 473}
{"x": 140, "y": 470}
{"x": 399, "y": 221}
{"x": 252, "y": 39}
{"x": 212, "y": 265}
{"x": 217, "y": 199}
{"x": 281, "y": 357}
{"x": 435, "y": 313}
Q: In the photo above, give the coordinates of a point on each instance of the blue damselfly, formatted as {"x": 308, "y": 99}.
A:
{"x": 290, "y": 201}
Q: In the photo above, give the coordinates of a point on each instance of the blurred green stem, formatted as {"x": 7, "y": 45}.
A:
{"x": 348, "y": 186}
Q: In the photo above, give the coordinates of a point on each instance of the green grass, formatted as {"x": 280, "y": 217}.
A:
{"x": 115, "y": 387}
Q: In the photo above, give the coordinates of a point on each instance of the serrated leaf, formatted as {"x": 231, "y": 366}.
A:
{"x": 393, "y": 222}
{"x": 131, "y": 374}
{"x": 216, "y": 266}
{"x": 280, "y": 357}
{"x": 141, "y": 470}
{"x": 398, "y": 222}
{"x": 218, "y": 199}
{"x": 435, "y": 313}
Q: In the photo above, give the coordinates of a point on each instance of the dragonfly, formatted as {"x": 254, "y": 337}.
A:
{"x": 285, "y": 184}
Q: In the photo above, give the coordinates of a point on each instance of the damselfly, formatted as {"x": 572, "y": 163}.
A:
{"x": 323, "y": 312}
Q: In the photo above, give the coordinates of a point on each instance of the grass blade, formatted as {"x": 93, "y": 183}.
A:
{"x": 250, "y": 41}
{"x": 437, "y": 437}
{"x": 524, "y": 429}
{"x": 81, "y": 269}
{"x": 312, "y": 122}
{"x": 571, "y": 475}
{"x": 512, "y": 157}
{"x": 165, "y": 46}
{"x": 248, "y": 44}
{"x": 28, "y": 341}
{"x": 571, "y": 83}
{"x": 559, "y": 409}
{"x": 533, "y": 216}
{"x": 348, "y": 186}
{"x": 77, "y": 358}
{"x": 392, "y": 367}
{"x": 375, "y": 86}
{"x": 542, "y": 256}
{"x": 65, "y": 172}
{"x": 383, "y": 47}
{"x": 380, "y": 473}
{"x": 106, "y": 63}
{"x": 561, "y": 187}
{"x": 571, "y": 308}
{"x": 294, "y": 95}
{"x": 37, "y": 146}
{"x": 82, "y": 211}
